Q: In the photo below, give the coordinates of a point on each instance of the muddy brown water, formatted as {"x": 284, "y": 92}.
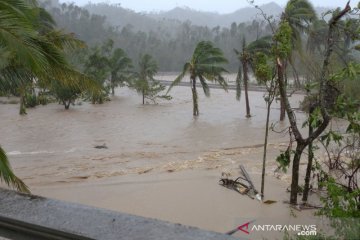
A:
{"x": 51, "y": 144}
{"x": 160, "y": 161}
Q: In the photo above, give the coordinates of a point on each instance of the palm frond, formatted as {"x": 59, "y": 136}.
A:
{"x": 7, "y": 175}
{"x": 205, "y": 86}
{"x": 180, "y": 77}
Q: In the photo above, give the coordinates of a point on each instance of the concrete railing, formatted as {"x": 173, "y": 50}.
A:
{"x": 25, "y": 216}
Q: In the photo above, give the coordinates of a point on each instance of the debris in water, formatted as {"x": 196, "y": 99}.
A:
{"x": 242, "y": 184}
{"x": 145, "y": 171}
{"x": 269, "y": 201}
{"x": 101, "y": 146}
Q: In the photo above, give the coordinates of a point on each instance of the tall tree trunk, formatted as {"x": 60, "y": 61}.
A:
{"x": 195, "y": 97}
{"x": 296, "y": 76}
{"x": 246, "y": 82}
{"x": 67, "y": 104}
{"x": 310, "y": 161}
{"x": 22, "y": 103}
{"x": 295, "y": 173}
{"x": 143, "y": 97}
{"x": 280, "y": 70}
{"x": 265, "y": 148}
{"x": 112, "y": 85}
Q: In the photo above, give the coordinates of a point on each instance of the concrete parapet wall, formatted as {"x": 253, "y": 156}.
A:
{"x": 30, "y": 215}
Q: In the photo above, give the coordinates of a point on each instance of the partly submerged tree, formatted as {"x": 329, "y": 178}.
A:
{"x": 31, "y": 50}
{"x": 120, "y": 68}
{"x": 206, "y": 64}
{"x": 66, "y": 94}
{"x": 144, "y": 83}
{"x": 243, "y": 74}
{"x": 109, "y": 67}
{"x": 246, "y": 58}
{"x": 327, "y": 95}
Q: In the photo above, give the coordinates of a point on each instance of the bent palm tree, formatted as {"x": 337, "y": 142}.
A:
{"x": 205, "y": 64}
{"x": 7, "y": 175}
{"x": 246, "y": 57}
{"x": 298, "y": 14}
{"x": 30, "y": 50}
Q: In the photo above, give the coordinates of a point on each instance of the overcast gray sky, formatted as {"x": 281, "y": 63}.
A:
{"x": 221, "y": 6}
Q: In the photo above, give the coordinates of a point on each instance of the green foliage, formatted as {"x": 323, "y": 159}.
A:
{"x": 331, "y": 136}
{"x": 144, "y": 82}
{"x": 64, "y": 93}
{"x": 282, "y": 37}
{"x": 121, "y": 66}
{"x": 31, "y": 100}
{"x": 206, "y": 64}
{"x": 238, "y": 83}
{"x": 109, "y": 67}
{"x": 284, "y": 160}
{"x": 263, "y": 71}
{"x": 342, "y": 207}
{"x": 7, "y": 175}
{"x": 31, "y": 49}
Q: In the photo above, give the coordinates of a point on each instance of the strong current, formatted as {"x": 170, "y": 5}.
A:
{"x": 52, "y": 145}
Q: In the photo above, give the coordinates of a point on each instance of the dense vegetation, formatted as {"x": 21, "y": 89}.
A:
{"x": 155, "y": 37}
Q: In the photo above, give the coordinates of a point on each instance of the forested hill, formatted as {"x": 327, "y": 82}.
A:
{"x": 119, "y": 16}
{"x": 215, "y": 19}
{"x": 170, "y": 41}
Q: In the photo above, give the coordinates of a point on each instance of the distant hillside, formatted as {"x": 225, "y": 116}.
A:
{"x": 214, "y": 19}
{"x": 119, "y": 16}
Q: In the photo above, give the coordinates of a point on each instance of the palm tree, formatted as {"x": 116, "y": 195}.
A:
{"x": 30, "y": 50}
{"x": 205, "y": 64}
{"x": 143, "y": 81}
{"x": 18, "y": 45}
{"x": 7, "y": 175}
{"x": 298, "y": 14}
{"x": 120, "y": 65}
{"x": 246, "y": 57}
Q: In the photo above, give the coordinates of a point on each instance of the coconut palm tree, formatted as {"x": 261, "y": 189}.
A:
{"x": 205, "y": 64}
{"x": 246, "y": 57}
{"x": 7, "y": 175}
{"x": 18, "y": 40}
{"x": 120, "y": 65}
{"x": 298, "y": 14}
{"x": 143, "y": 81}
{"x": 31, "y": 50}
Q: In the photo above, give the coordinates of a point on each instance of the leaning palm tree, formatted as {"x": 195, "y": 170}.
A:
{"x": 30, "y": 50}
{"x": 205, "y": 64}
{"x": 298, "y": 14}
{"x": 243, "y": 74}
{"x": 246, "y": 57}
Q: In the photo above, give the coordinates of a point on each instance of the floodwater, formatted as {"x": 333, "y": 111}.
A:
{"x": 51, "y": 144}
{"x": 160, "y": 161}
